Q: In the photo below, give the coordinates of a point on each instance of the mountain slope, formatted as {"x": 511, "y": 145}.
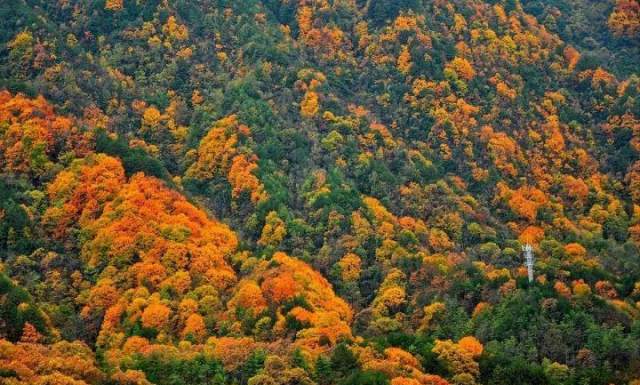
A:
{"x": 374, "y": 168}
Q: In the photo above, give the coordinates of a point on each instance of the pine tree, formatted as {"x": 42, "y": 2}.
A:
{"x": 343, "y": 361}
{"x": 323, "y": 372}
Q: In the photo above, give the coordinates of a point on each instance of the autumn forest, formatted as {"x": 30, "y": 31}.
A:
{"x": 319, "y": 192}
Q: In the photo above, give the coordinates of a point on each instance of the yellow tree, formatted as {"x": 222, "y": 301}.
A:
{"x": 156, "y": 316}
{"x": 309, "y": 105}
{"x": 625, "y": 18}
{"x": 404, "y": 60}
{"x": 459, "y": 358}
{"x": 274, "y": 230}
{"x": 462, "y": 67}
{"x": 113, "y": 5}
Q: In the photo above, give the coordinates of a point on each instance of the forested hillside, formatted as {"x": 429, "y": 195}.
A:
{"x": 319, "y": 192}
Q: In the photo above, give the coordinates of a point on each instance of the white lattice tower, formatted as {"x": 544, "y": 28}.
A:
{"x": 529, "y": 260}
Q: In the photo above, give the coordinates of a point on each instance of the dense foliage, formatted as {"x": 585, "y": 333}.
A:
{"x": 330, "y": 192}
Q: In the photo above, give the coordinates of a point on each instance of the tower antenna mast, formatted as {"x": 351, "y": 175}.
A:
{"x": 529, "y": 260}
